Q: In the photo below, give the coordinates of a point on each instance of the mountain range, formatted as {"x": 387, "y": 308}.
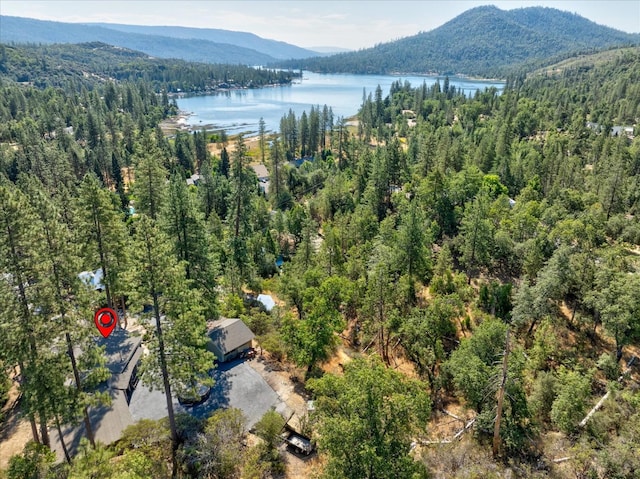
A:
{"x": 483, "y": 41}
{"x": 192, "y": 44}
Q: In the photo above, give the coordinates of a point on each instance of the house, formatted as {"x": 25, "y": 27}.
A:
{"x": 228, "y": 337}
{"x": 261, "y": 172}
{"x": 123, "y": 352}
{"x": 620, "y": 130}
{"x": 193, "y": 180}
{"x": 594, "y": 126}
{"x": 263, "y": 176}
{"x": 299, "y": 161}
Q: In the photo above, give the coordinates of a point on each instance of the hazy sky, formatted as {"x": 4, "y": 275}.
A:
{"x": 347, "y": 23}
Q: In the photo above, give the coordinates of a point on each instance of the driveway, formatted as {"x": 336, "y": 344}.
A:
{"x": 237, "y": 385}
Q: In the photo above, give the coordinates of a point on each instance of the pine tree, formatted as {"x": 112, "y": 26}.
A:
{"x": 477, "y": 234}
{"x": 185, "y": 225}
{"x": 413, "y": 243}
{"x": 262, "y": 131}
{"x": 239, "y": 217}
{"x": 150, "y": 185}
{"x": 178, "y": 360}
{"x": 69, "y": 304}
{"x": 104, "y": 236}
{"x": 200, "y": 144}
{"x": 25, "y": 323}
{"x": 280, "y": 197}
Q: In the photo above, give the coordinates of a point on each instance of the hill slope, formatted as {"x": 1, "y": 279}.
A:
{"x": 94, "y": 62}
{"x": 273, "y": 48}
{"x": 483, "y": 41}
{"x": 26, "y": 30}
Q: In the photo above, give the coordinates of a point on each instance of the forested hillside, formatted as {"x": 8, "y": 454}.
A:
{"x": 484, "y": 41}
{"x": 88, "y": 64}
{"x": 458, "y": 289}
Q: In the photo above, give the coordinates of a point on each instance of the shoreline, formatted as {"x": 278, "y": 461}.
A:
{"x": 216, "y": 91}
{"x": 180, "y": 122}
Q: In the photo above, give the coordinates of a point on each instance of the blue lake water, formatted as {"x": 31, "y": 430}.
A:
{"x": 240, "y": 110}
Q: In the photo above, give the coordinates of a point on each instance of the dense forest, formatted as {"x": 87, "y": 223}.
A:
{"x": 484, "y": 41}
{"x": 476, "y": 260}
{"x": 86, "y": 64}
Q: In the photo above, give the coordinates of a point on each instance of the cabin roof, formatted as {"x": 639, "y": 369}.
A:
{"x": 228, "y": 334}
{"x": 261, "y": 170}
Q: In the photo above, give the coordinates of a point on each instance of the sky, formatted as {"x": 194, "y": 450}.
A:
{"x": 350, "y": 24}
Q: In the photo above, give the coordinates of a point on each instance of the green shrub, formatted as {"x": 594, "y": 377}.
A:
{"x": 34, "y": 463}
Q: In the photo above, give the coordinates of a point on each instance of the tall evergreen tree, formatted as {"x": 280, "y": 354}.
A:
{"x": 262, "y": 132}
{"x": 150, "y": 185}
{"x": 185, "y": 225}
{"x": 200, "y": 144}
{"x": 22, "y": 250}
{"x": 68, "y": 303}
{"x": 104, "y": 237}
{"x": 179, "y": 360}
{"x": 477, "y": 234}
{"x": 240, "y": 204}
{"x": 277, "y": 187}
{"x": 414, "y": 239}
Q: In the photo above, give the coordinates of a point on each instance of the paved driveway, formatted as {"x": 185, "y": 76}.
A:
{"x": 237, "y": 385}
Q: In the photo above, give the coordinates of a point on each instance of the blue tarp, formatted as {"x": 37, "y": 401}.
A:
{"x": 267, "y": 301}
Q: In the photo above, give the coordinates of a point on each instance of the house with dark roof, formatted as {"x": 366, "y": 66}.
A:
{"x": 228, "y": 338}
{"x": 297, "y": 162}
{"x": 123, "y": 352}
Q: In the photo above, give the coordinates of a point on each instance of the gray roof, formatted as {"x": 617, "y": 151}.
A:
{"x": 122, "y": 380}
{"x": 108, "y": 422}
{"x": 228, "y": 334}
{"x": 122, "y": 352}
{"x": 261, "y": 171}
{"x": 193, "y": 179}
{"x": 120, "y": 348}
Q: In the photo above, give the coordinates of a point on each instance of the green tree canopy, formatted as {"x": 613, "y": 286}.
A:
{"x": 367, "y": 420}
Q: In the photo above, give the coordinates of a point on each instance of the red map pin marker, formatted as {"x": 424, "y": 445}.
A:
{"x": 105, "y": 320}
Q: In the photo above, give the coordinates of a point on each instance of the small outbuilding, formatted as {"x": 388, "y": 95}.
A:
{"x": 228, "y": 338}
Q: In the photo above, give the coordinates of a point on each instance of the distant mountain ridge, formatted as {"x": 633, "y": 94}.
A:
{"x": 198, "y": 47}
{"x": 273, "y": 48}
{"x": 483, "y": 41}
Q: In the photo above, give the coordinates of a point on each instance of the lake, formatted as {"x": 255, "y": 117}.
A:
{"x": 240, "y": 110}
